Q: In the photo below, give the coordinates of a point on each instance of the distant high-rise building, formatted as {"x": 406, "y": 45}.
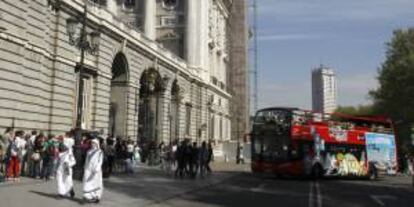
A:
{"x": 324, "y": 90}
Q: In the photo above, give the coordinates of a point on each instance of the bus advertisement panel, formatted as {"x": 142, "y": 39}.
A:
{"x": 381, "y": 150}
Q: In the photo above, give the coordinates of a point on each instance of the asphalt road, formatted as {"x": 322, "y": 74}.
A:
{"x": 250, "y": 191}
{"x": 227, "y": 188}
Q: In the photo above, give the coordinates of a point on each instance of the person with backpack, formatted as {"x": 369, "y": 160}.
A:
{"x": 36, "y": 156}
{"x": 48, "y": 155}
{"x": 15, "y": 156}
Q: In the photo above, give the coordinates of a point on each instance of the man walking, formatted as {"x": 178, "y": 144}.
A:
{"x": 180, "y": 157}
{"x": 203, "y": 157}
{"x": 194, "y": 160}
{"x": 209, "y": 158}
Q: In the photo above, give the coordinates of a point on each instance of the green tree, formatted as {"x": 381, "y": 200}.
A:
{"x": 361, "y": 110}
{"x": 395, "y": 94}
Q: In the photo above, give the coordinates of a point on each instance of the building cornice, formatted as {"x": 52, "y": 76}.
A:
{"x": 110, "y": 24}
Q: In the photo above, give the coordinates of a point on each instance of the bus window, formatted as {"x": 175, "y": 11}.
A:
{"x": 260, "y": 118}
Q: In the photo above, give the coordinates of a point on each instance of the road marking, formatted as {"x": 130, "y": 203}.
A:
{"x": 379, "y": 198}
{"x": 261, "y": 189}
{"x": 311, "y": 203}
{"x": 315, "y": 192}
{"x": 318, "y": 195}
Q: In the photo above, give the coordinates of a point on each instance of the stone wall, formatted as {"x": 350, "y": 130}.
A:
{"x": 38, "y": 80}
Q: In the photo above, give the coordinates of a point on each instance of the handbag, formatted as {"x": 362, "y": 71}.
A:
{"x": 36, "y": 156}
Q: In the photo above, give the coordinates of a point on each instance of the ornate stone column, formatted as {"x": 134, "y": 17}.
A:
{"x": 150, "y": 11}
{"x": 196, "y": 36}
{"x": 164, "y": 123}
{"x": 191, "y": 32}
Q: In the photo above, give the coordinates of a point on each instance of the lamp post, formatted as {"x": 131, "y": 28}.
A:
{"x": 85, "y": 42}
{"x": 78, "y": 36}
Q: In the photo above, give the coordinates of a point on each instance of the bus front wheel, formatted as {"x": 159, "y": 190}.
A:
{"x": 317, "y": 171}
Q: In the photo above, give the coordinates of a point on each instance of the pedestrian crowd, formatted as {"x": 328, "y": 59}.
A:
{"x": 31, "y": 154}
{"x": 189, "y": 159}
{"x": 39, "y": 156}
{"x": 43, "y": 156}
{"x": 179, "y": 158}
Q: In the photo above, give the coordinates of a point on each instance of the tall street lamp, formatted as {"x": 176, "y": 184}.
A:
{"x": 85, "y": 42}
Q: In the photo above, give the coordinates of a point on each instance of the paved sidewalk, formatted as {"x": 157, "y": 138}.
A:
{"x": 148, "y": 186}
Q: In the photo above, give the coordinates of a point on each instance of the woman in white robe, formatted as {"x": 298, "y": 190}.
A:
{"x": 64, "y": 180}
{"x": 92, "y": 177}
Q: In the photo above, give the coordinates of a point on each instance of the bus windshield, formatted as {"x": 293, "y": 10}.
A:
{"x": 271, "y": 130}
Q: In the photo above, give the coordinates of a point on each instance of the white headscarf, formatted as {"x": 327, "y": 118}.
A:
{"x": 95, "y": 144}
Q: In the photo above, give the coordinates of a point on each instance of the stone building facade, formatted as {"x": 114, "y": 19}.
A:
{"x": 160, "y": 72}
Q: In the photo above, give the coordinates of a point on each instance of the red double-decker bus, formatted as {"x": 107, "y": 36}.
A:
{"x": 290, "y": 141}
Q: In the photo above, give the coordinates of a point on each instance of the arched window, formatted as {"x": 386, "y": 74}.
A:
{"x": 129, "y": 4}
{"x": 170, "y": 4}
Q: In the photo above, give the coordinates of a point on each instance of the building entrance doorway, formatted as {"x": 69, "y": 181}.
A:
{"x": 118, "y": 98}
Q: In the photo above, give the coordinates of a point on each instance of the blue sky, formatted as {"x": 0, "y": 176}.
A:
{"x": 349, "y": 35}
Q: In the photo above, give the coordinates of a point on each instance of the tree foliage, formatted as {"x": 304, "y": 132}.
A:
{"x": 361, "y": 110}
{"x": 395, "y": 94}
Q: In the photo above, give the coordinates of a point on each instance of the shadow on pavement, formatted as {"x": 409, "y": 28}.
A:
{"x": 56, "y": 197}
{"x": 156, "y": 186}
